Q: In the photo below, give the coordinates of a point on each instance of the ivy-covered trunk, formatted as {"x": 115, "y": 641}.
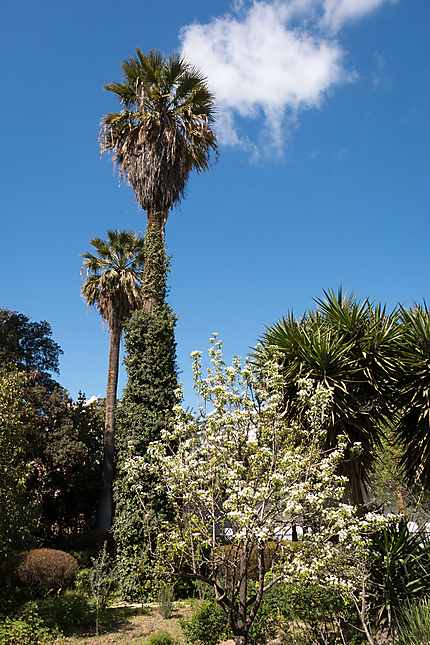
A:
{"x": 104, "y": 515}
{"x": 155, "y": 268}
{"x": 145, "y": 411}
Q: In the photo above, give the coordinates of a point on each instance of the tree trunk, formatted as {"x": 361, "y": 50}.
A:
{"x": 241, "y": 628}
{"x": 155, "y": 266}
{"x": 104, "y": 515}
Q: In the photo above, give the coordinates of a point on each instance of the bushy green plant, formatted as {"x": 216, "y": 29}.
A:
{"x": 208, "y": 625}
{"x": 414, "y": 620}
{"x": 28, "y": 628}
{"x": 16, "y": 631}
{"x": 160, "y": 638}
{"x": 267, "y": 621}
{"x": 63, "y": 613}
{"x": 83, "y": 581}
{"x": 311, "y": 613}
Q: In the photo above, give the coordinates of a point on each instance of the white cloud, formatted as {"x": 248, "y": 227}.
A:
{"x": 338, "y": 12}
{"x": 266, "y": 61}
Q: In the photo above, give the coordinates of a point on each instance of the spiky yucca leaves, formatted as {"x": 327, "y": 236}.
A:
{"x": 399, "y": 572}
{"x": 351, "y": 347}
{"x": 114, "y": 286}
{"x": 413, "y": 425}
{"x": 163, "y": 130}
{"x": 415, "y": 623}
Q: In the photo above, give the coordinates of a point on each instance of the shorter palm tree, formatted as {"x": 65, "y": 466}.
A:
{"x": 113, "y": 285}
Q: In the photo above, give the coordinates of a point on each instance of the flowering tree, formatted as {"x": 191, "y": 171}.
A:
{"x": 241, "y": 477}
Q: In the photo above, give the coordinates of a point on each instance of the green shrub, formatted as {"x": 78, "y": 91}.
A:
{"x": 18, "y": 631}
{"x": 83, "y": 581}
{"x": 160, "y": 638}
{"x": 63, "y": 613}
{"x": 267, "y": 620}
{"x": 83, "y": 557}
{"x": 306, "y": 613}
{"x": 46, "y": 569}
{"x": 208, "y": 625}
{"x": 414, "y": 622}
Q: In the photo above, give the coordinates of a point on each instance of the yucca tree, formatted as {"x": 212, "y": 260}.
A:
{"x": 413, "y": 388}
{"x": 113, "y": 284}
{"x": 162, "y": 133}
{"x": 351, "y": 347}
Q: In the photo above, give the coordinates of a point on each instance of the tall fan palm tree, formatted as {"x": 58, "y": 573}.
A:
{"x": 162, "y": 133}
{"x": 113, "y": 285}
{"x": 351, "y": 347}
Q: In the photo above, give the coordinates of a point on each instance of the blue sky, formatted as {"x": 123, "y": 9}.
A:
{"x": 323, "y": 181}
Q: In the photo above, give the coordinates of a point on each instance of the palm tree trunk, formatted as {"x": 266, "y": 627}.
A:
{"x": 155, "y": 266}
{"x": 104, "y": 516}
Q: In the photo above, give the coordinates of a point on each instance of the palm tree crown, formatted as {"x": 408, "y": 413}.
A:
{"x": 114, "y": 275}
{"x": 163, "y": 131}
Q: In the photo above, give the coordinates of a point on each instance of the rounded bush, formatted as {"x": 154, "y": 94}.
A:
{"x": 207, "y": 625}
{"x": 46, "y": 569}
{"x": 160, "y": 638}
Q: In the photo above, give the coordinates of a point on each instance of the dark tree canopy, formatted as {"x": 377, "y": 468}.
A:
{"x": 27, "y": 344}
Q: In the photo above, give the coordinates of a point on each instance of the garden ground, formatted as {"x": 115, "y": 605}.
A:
{"x": 130, "y": 625}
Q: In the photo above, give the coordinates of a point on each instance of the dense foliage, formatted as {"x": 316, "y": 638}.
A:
{"x": 50, "y": 445}
{"x": 27, "y": 344}
{"x": 17, "y": 517}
